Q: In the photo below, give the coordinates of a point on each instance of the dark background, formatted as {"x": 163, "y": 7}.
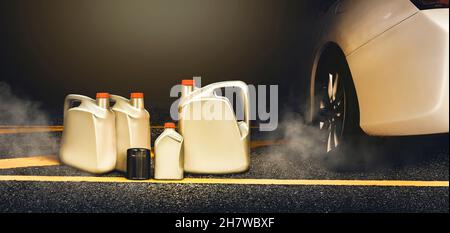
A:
{"x": 50, "y": 48}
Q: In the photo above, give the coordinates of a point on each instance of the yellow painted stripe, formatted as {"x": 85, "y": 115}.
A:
{"x": 31, "y": 126}
{"x": 13, "y": 129}
{"x": 51, "y": 160}
{"x": 403, "y": 183}
{"x": 36, "y": 161}
{"x": 28, "y": 130}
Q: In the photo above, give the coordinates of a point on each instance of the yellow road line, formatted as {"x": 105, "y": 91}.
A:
{"x": 36, "y": 161}
{"x": 30, "y": 126}
{"x": 402, "y": 183}
{"x": 13, "y": 129}
{"x": 28, "y": 130}
{"x": 51, "y": 160}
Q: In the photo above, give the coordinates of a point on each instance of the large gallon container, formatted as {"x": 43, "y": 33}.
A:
{"x": 214, "y": 141}
{"x": 89, "y": 136}
{"x": 132, "y": 126}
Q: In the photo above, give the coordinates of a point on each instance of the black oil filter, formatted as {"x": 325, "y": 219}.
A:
{"x": 138, "y": 164}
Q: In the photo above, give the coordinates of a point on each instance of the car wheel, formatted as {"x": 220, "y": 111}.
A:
{"x": 336, "y": 114}
{"x": 331, "y": 111}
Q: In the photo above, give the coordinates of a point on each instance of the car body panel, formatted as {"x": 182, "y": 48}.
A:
{"x": 398, "y": 57}
{"x": 401, "y": 77}
{"x": 356, "y": 22}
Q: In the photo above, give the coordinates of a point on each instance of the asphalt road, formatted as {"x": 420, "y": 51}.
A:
{"x": 421, "y": 159}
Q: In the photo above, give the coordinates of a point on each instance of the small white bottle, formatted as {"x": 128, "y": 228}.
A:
{"x": 169, "y": 155}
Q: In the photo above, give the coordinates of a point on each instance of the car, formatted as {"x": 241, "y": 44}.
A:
{"x": 380, "y": 68}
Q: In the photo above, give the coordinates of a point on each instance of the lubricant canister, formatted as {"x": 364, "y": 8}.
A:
{"x": 215, "y": 142}
{"x": 168, "y": 154}
{"x": 132, "y": 126}
{"x": 89, "y": 136}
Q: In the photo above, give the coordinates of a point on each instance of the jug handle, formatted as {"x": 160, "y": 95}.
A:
{"x": 73, "y": 97}
{"x": 244, "y": 94}
{"x": 117, "y": 98}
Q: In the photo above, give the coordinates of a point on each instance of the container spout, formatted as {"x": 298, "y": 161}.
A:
{"x": 187, "y": 86}
{"x": 102, "y": 99}
{"x": 137, "y": 100}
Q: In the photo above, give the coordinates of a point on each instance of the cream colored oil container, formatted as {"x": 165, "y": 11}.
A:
{"x": 168, "y": 154}
{"x": 132, "y": 126}
{"x": 214, "y": 141}
{"x": 89, "y": 136}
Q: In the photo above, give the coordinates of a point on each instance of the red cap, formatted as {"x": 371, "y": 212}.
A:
{"x": 187, "y": 82}
{"x": 137, "y": 95}
{"x": 169, "y": 125}
{"x": 102, "y": 95}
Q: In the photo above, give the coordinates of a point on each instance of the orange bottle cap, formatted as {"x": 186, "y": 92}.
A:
{"x": 169, "y": 125}
{"x": 187, "y": 82}
{"x": 102, "y": 95}
{"x": 137, "y": 95}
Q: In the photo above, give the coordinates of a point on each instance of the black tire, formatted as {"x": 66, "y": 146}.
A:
{"x": 336, "y": 113}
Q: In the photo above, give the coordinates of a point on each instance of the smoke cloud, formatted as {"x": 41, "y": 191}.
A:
{"x": 301, "y": 146}
{"x": 17, "y": 112}
{"x": 304, "y": 143}
{"x": 301, "y": 139}
{"x": 302, "y": 153}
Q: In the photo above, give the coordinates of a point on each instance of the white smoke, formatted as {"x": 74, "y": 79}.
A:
{"x": 300, "y": 143}
{"x": 16, "y": 111}
{"x": 300, "y": 138}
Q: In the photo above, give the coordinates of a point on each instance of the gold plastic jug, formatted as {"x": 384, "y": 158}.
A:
{"x": 214, "y": 141}
{"x": 132, "y": 126}
{"x": 89, "y": 136}
{"x": 169, "y": 154}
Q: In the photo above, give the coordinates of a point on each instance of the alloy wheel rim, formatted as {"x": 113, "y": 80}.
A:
{"x": 331, "y": 112}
